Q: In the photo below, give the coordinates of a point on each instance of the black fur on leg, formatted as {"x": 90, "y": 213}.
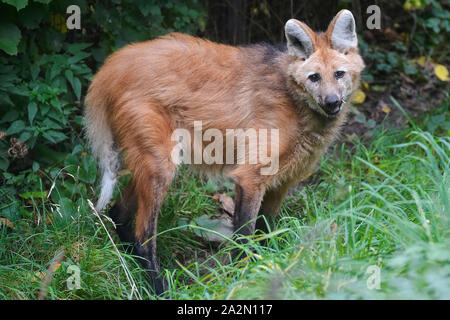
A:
{"x": 124, "y": 228}
{"x": 123, "y": 214}
{"x": 148, "y": 259}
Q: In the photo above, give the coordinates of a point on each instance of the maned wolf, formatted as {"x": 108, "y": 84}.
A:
{"x": 146, "y": 91}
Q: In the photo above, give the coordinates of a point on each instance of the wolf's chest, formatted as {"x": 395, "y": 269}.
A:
{"x": 301, "y": 161}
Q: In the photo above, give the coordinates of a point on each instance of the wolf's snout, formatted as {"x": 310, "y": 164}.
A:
{"x": 332, "y": 104}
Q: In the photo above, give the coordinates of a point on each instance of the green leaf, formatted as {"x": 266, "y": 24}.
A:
{"x": 25, "y": 136}
{"x": 4, "y": 164}
{"x": 31, "y": 16}
{"x": 371, "y": 123}
{"x": 33, "y": 195}
{"x": 10, "y": 116}
{"x": 434, "y": 24}
{"x": 32, "y": 110}
{"x": 9, "y": 38}
{"x": 34, "y": 69}
{"x": 58, "y": 136}
{"x": 35, "y": 166}
{"x": 77, "y": 149}
{"x": 56, "y": 103}
{"x": 20, "y": 90}
{"x": 44, "y": 109}
{"x": 88, "y": 172}
{"x": 360, "y": 118}
{"x": 410, "y": 68}
{"x": 445, "y": 125}
{"x": 145, "y": 9}
{"x": 66, "y": 211}
{"x": 54, "y": 136}
{"x": 76, "y": 85}
{"x": 55, "y": 70}
{"x": 392, "y": 58}
{"x": 438, "y": 118}
{"x": 218, "y": 226}
{"x": 50, "y": 124}
{"x": 5, "y": 99}
{"x": 74, "y": 82}
{"x": 16, "y": 127}
{"x": 69, "y": 75}
{"x": 11, "y": 211}
{"x": 48, "y": 137}
{"x": 75, "y": 48}
{"x": 18, "y": 4}
{"x": 77, "y": 58}
{"x": 46, "y": 155}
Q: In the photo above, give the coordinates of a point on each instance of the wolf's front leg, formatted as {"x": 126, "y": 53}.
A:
{"x": 248, "y": 197}
{"x": 247, "y": 203}
{"x": 270, "y": 206}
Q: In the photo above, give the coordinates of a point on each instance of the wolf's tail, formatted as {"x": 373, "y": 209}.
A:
{"x": 101, "y": 141}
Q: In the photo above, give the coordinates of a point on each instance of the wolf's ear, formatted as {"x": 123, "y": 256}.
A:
{"x": 341, "y": 32}
{"x": 299, "y": 39}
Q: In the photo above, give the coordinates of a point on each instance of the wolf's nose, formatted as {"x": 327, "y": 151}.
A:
{"x": 332, "y": 102}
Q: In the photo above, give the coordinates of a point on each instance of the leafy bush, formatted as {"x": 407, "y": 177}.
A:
{"x": 45, "y": 68}
{"x": 424, "y": 31}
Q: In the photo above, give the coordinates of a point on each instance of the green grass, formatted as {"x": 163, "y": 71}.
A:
{"x": 385, "y": 204}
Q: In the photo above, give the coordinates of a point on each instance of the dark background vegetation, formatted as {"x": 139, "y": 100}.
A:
{"x": 45, "y": 70}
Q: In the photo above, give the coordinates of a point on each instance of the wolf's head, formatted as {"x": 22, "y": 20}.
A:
{"x": 325, "y": 67}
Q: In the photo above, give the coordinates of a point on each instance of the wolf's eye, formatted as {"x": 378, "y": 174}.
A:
{"x": 314, "y": 77}
{"x": 339, "y": 74}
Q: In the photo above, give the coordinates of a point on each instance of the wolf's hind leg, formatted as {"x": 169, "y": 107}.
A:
{"x": 123, "y": 213}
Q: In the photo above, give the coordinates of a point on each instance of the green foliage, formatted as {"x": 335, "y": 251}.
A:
{"x": 45, "y": 68}
{"x": 426, "y": 33}
{"x": 440, "y": 121}
{"x": 9, "y": 38}
{"x": 44, "y": 73}
{"x": 434, "y": 21}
